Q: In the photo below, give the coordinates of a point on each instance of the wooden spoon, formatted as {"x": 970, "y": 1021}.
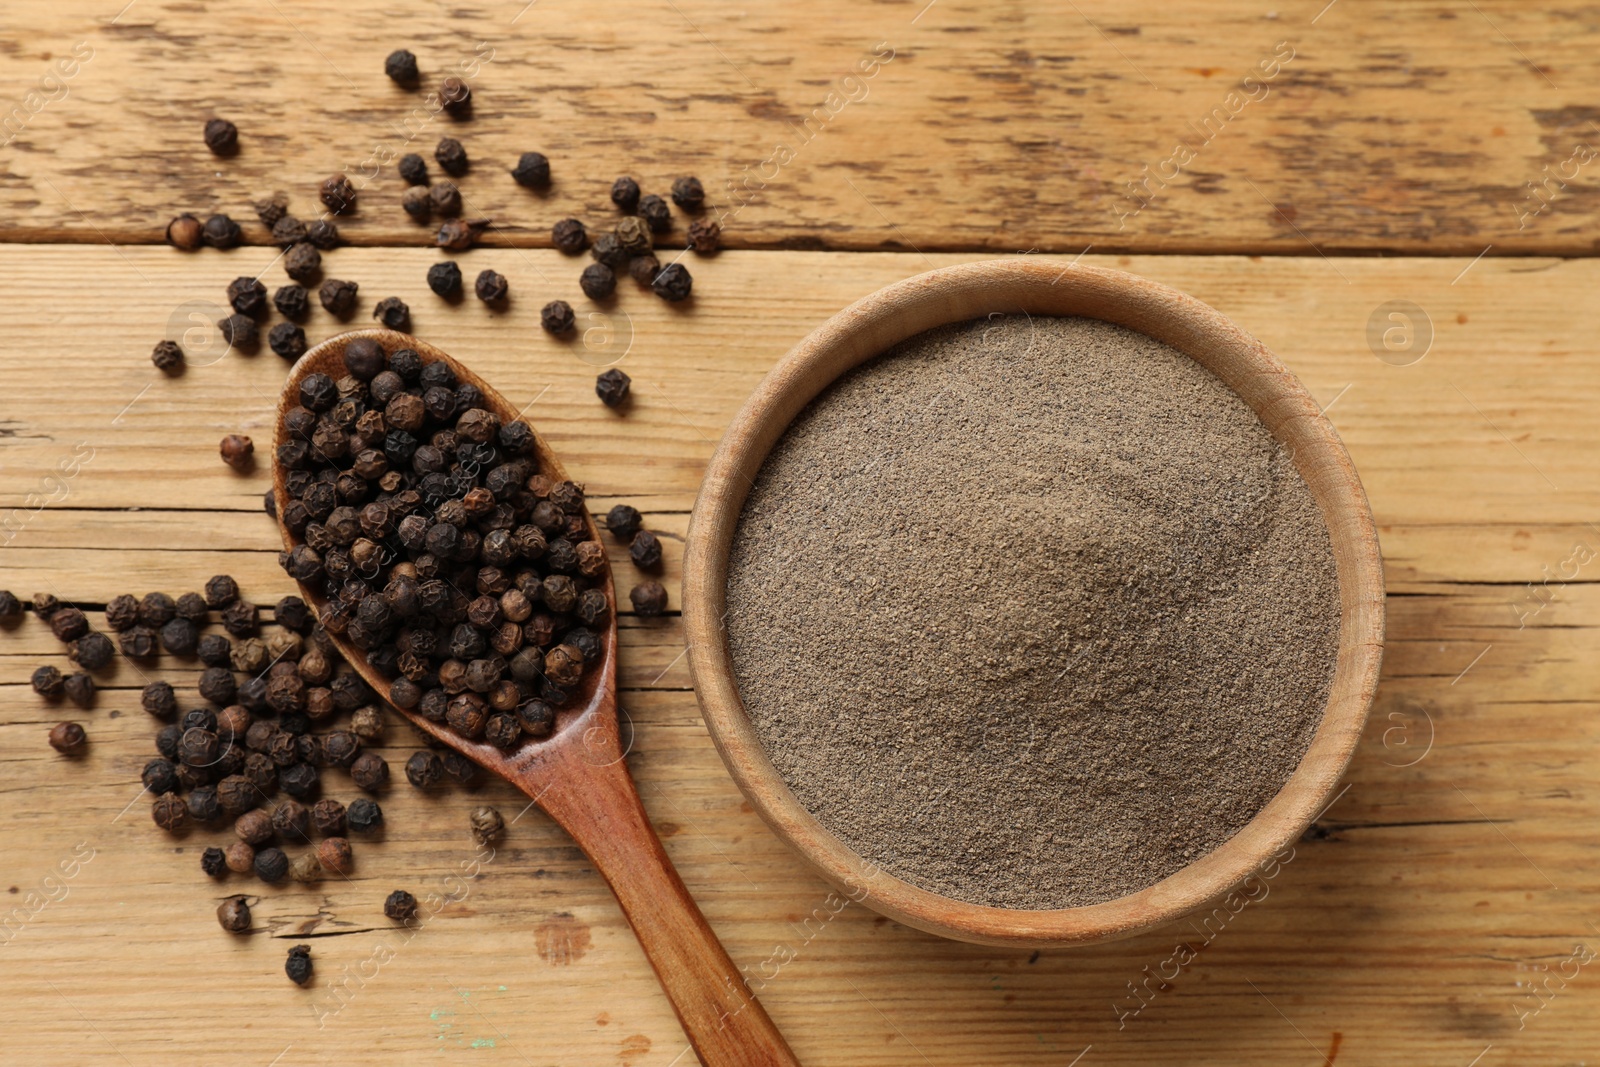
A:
{"x": 578, "y": 777}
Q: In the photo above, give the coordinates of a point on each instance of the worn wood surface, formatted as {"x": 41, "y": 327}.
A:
{"x": 1413, "y": 127}
{"x": 1455, "y": 875}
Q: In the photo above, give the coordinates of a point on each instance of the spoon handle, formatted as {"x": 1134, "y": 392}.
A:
{"x": 597, "y": 803}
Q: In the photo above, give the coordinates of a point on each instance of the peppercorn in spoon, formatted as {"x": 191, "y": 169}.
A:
{"x": 458, "y": 570}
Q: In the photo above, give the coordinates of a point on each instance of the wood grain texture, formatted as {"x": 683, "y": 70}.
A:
{"x": 1416, "y": 920}
{"x": 1414, "y": 127}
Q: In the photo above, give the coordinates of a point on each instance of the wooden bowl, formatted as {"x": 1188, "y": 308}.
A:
{"x": 975, "y": 290}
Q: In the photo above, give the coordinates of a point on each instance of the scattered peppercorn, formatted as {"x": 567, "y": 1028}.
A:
{"x": 532, "y": 170}
{"x": 298, "y": 965}
{"x": 424, "y": 769}
{"x": 185, "y": 232}
{"x": 643, "y": 269}
{"x": 569, "y": 236}
{"x": 192, "y": 606}
{"x": 240, "y": 331}
{"x": 287, "y": 339}
{"x": 487, "y": 825}
{"x": 364, "y": 816}
{"x": 68, "y": 623}
{"x": 48, "y": 683}
{"x": 92, "y": 651}
{"x": 137, "y": 642}
{"x": 673, "y": 283}
{"x": 170, "y": 812}
{"x": 607, "y": 249}
{"x": 221, "y": 232}
{"x": 401, "y": 67}
{"x": 491, "y": 287}
{"x": 338, "y": 193}
{"x": 214, "y": 862}
{"x": 400, "y": 906}
{"x": 556, "y": 317}
{"x": 625, "y": 194}
{"x": 369, "y": 772}
{"x": 335, "y": 854}
{"x": 656, "y": 214}
{"x": 413, "y": 169}
{"x": 624, "y": 521}
{"x": 633, "y": 235}
{"x": 612, "y": 388}
{"x": 302, "y": 262}
{"x": 451, "y": 156}
{"x": 238, "y": 451}
{"x": 393, "y": 313}
{"x": 68, "y": 738}
{"x": 458, "y": 235}
{"x": 445, "y": 278}
{"x": 649, "y": 598}
{"x": 271, "y": 863}
{"x": 222, "y": 136}
{"x": 306, "y": 867}
{"x": 443, "y": 197}
{"x": 688, "y": 194}
{"x": 323, "y": 233}
{"x": 79, "y": 688}
{"x": 292, "y": 301}
{"x": 338, "y": 297}
{"x": 167, "y": 356}
{"x": 456, "y": 96}
{"x": 597, "y": 281}
{"x": 645, "y": 550}
{"x": 705, "y": 236}
{"x": 234, "y": 915}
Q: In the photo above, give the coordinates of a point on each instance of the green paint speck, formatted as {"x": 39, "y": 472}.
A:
{"x": 481, "y": 1042}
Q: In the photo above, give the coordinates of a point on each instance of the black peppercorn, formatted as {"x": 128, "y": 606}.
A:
{"x": 299, "y": 780}
{"x": 203, "y": 805}
{"x": 502, "y": 731}
{"x": 688, "y": 194}
{"x": 271, "y": 863}
{"x": 198, "y": 748}
{"x": 649, "y": 598}
{"x": 287, "y": 231}
{"x": 48, "y": 682}
{"x": 400, "y": 906}
{"x": 597, "y": 281}
{"x": 238, "y": 452}
{"x": 625, "y": 193}
{"x": 323, "y": 233}
{"x": 214, "y": 862}
{"x": 159, "y": 700}
{"x": 68, "y": 738}
{"x": 532, "y": 170}
{"x": 170, "y": 812}
{"x": 222, "y": 136}
{"x": 417, "y": 203}
{"x": 445, "y": 278}
{"x": 338, "y": 297}
{"x": 192, "y": 606}
{"x": 199, "y": 719}
{"x": 240, "y": 331}
{"x": 623, "y": 520}
{"x": 413, "y": 170}
{"x": 656, "y": 214}
{"x": 167, "y": 356}
{"x": 633, "y": 235}
{"x": 643, "y": 269}
{"x": 455, "y": 96}
{"x": 556, "y": 317}
{"x": 185, "y": 232}
{"x": 270, "y": 209}
{"x": 451, "y": 156}
{"x": 569, "y": 236}
{"x": 705, "y": 236}
{"x": 673, "y": 283}
{"x": 612, "y": 387}
{"x": 491, "y": 287}
{"x": 369, "y": 772}
{"x": 234, "y": 915}
{"x": 179, "y": 637}
{"x": 364, "y": 816}
{"x": 458, "y": 235}
{"x": 214, "y": 650}
{"x": 292, "y": 301}
{"x": 401, "y": 67}
{"x": 393, "y": 313}
{"x": 328, "y": 816}
{"x": 240, "y": 618}
{"x": 287, "y": 339}
{"x": 444, "y": 198}
{"x": 593, "y": 607}
{"x": 424, "y": 769}
{"x": 607, "y": 249}
{"x": 68, "y": 623}
{"x": 157, "y": 609}
{"x": 338, "y": 193}
{"x": 303, "y": 262}
{"x": 167, "y": 741}
{"x": 159, "y": 776}
{"x": 137, "y": 642}
{"x": 221, "y": 232}
{"x": 298, "y": 965}
{"x": 645, "y": 549}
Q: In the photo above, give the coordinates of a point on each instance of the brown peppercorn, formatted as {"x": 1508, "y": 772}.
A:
{"x": 591, "y": 559}
{"x": 705, "y": 236}
{"x": 459, "y": 235}
{"x": 417, "y": 202}
{"x": 234, "y": 915}
{"x": 338, "y": 193}
{"x": 240, "y": 858}
{"x": 563, "y": 665}
{"x": 170, "y": 812}
{"x": 466, "y": 715}
{"x": 487, "y": 825}
{"x": 254, "y": 828}
{"x": 305, "y": 867}
{"x": 455, "y": 95}
{"x": 234, "y": 722}
{"x": 367, "y": 723}
{"x": 643, "y": 269}
{"x": 338, "y": 297}
{"x": 68, "y": 738}
{"x": 238, "y": 451}
{"x": 633, "y": 236}
{"x": 222, "y": 136}
{"x": 569, "y": 236}
{"x": 645, "y": 550}
{"x": 369, "y": 772}
{"x": 491, "y": 287}
{"x": 185, "y": 232}
{"x": 291, "y": 821}
{"x": 334, "y": 852}
{"x": 237, "y": 794}
{"x": 168, "y": 357}
{"x": 240, "y": 331}
{"x": 302, "y": 262}
{"x": 400, "y": 906}
{"x": 328, "y": 816}
{"x": 612, "y": 387}
{"x": 649, "y": 598}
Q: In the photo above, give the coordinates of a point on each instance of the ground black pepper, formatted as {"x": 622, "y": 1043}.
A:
{"x": 222, "y": 136}
{"x": 491, "y": 287}
{"x": 569, "y": 236}
{"x": 556, "y": 317}
{"x": 597, "y": 281}
{"x": 532, "y": 170}
{"x": 612, "y": 388}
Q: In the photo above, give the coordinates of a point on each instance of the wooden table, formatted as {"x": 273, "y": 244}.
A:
{"x": 1442, "y": 911}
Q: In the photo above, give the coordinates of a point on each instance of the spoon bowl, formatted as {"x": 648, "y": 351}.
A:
{"x": 578, "y": 776}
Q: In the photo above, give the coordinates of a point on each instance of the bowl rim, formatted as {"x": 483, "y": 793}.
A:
{"x": 871, "y": 326}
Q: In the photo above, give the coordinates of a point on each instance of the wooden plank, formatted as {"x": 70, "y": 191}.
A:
{"x": 1453, "y": 877}
{"x": 1418, "y": 129}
